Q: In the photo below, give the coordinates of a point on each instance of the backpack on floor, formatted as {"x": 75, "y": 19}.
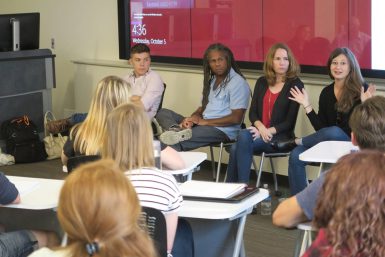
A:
{"x": 22, "y": 140}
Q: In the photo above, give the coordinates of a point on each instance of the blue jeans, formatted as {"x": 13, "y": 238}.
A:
{"x": 297, "y": 171}
{"x": 77, "y": 118}
{"x": 201, "y": 135}
{"x": 241, "y": 154}
{"x": 184, "y": 241}
{"x": 17, "y": 243}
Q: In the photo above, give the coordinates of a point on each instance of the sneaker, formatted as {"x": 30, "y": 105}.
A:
{"x": 175, "y": 135}
{"x": 58, "y": 126}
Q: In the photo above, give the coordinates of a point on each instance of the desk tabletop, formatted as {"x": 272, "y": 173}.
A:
{"x": 43, "y": 195}
{"x": 327, "y": 151}
{"x": 192, "y": 161}
{"x": 220, "y": 210}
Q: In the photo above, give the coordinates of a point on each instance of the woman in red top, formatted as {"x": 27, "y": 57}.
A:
{"x": 350, "y": 211}
{"x": 272, "y": 114}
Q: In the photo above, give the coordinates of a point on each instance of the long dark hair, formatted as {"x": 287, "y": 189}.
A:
{"x": 208, "y": 75}
{"x": 351, "y": 90}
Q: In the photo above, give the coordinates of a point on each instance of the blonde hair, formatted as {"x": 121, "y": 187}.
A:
{"x": 88, "y": 136}
{"x": 129, "y": 138}
{"x": 86, "y": 201}
{"x": 293, "y": 70}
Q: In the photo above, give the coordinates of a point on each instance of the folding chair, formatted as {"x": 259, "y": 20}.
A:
{"x": 258, "y": 171}
{"x": 304, "y": 239}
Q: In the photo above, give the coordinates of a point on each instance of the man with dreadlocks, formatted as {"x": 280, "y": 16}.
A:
{"x": 225, "y": 99}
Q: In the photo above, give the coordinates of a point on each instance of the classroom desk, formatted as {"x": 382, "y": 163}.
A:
{"x": 217, "y": 226}
{"x": 192, "y": 161}
{"x": 327, "y": 152}
{"x": 43, "y": 195}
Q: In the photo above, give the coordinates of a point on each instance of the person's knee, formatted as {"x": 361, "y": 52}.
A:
{"x": 244, "y": 138}
{"x": 332, "y": 133}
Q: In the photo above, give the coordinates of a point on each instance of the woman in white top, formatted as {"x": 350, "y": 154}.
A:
{"x": 84, "y": 212}
{"x": 129, "y": 142}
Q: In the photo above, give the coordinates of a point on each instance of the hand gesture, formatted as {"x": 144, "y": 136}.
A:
{"x": 265, "y": 134}
{"x": 186, "y": 123}
{"x": 369, "y": 92}
{"x": 254, "y": 132}
{"x": 299, "y": 96}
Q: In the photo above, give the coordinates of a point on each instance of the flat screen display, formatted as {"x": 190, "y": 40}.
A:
{"x": 178, "y": 31}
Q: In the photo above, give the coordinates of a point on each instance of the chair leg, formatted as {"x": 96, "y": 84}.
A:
{"x": 212, "y": 161}
{"x": 277, "y": 192}
{"x": 219, "y": 162}
{"x": 260, "y": 169}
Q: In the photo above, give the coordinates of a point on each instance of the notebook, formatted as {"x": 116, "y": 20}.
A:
{"x": 218, "y": 192}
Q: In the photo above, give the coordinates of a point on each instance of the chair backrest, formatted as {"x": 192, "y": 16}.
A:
{"x": 75, "y": 161}
{"x": 154, "y": 222}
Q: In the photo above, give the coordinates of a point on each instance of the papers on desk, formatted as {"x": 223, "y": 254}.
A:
{"x": 24, "y": 187}
{"x": 206, "y": 189}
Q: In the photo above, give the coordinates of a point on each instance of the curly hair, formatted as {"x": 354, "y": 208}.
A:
{"x": 351, "y": 205}
{"x": 293, "y": 70}
{"x": 208, "y": 75}
{"x": 351, "y": 90}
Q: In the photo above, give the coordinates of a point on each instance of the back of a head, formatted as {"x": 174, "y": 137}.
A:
{"x": 87, "y": 197}
{"x": 351, "y": 204}
{"x": 368, "y": 123}
{"x": 111, "y": 92}
{"x": 129, "y": 138}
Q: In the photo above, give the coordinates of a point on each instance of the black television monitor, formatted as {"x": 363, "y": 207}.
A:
{"x": 29, "y": 31}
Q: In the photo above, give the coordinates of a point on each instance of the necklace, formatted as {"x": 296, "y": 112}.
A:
{"x": 269, "y": 112}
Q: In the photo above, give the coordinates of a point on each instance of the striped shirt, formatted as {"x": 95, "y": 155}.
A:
{"x": 156, "y": 189}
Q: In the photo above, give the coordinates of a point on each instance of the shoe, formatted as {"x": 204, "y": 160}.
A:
{"x": 175, "y": 135}
{"x": 58, "y": 126}
{"x": 284, "y": 146}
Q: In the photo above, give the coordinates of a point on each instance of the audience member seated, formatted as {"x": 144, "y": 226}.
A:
{"x": 336, "y": 102}
{"x": 99, "y": 211}
{"x": 368, "y": 132}
{"x": 146, "y": 86}
{"x": 20, "y": 243}
{"x": 129, "y": 144}
{"x": 271, "y": 114}
{"x": 224, "y": 101}
{"x": 87, "y": 138}
{"x": 350, "y": 209}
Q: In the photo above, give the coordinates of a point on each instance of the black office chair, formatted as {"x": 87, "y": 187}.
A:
{"x": 75, "y": 161}
{"x": 154, "y": 223}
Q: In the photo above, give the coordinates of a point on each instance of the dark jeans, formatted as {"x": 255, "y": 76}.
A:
{"x": 184, "y": 241}
{"x": 297, "y": 170}
{"x": 201, "y": 135}
{"x": 241, "y": 154}
{"x": 17, "y": 243}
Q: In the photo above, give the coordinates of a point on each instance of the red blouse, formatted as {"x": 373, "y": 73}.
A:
{"x": 267, "y": 108}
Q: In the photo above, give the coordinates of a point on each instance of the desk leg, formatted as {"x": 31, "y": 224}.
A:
{"x": 239, "y": 248}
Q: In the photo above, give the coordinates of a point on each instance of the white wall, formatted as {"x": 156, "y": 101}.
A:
{"x": 87, "y": 30}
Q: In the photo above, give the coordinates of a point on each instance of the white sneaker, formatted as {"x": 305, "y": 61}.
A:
{"x": 174, "y": 136}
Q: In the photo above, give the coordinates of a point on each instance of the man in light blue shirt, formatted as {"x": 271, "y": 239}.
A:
{"x": 225, "y": 99}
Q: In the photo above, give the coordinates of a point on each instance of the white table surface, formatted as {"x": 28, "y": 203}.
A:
{"x": 220, "y": 210}
{"x": 192, "y": 161}
{"x": 327, "y": 151}
{"x": 45, "y": 194}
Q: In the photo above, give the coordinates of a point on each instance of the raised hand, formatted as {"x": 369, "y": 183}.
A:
{"x": 299, "y": 96}
{"x": 369, "y": 92}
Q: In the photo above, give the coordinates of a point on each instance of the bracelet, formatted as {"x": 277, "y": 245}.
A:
{"x": 307, "y": 106}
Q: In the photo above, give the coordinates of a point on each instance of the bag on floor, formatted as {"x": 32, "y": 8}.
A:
{"x": 22, "y": 140}
{"x": 53, "y": 144}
